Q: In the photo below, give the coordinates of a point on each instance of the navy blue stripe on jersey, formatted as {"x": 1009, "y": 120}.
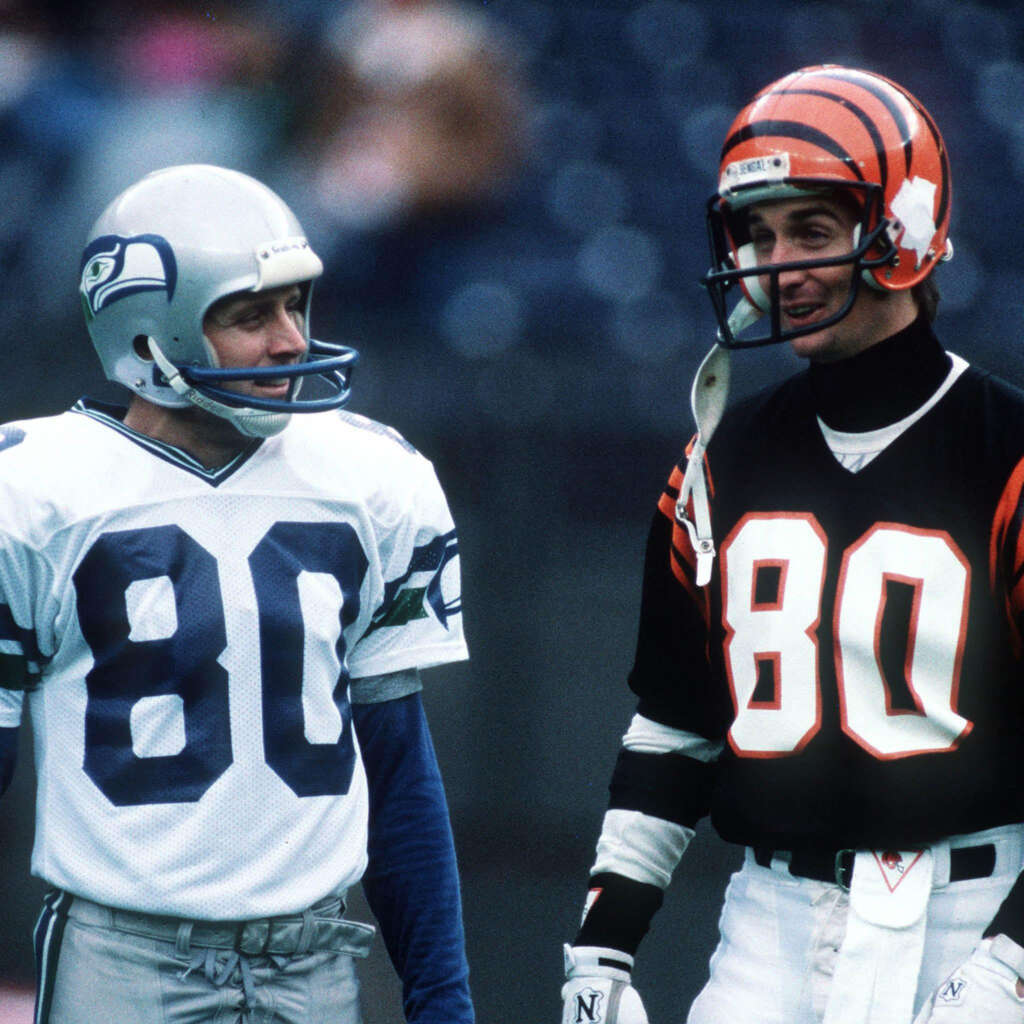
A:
{"x": 10, "y": 630}
{"x": 19, "y": 654}
{"x": 49, "y": 933}
{"x": 111, "y": 416}
{"x": 411, "y": 881}
{"x": 673, "y": 787}
{"x": 14, "y": 672}
{"x": 8, "y": 756}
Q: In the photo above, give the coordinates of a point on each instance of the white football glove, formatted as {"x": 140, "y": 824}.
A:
{"x": 983, "y": 988}
{"x": 599, "y": 993}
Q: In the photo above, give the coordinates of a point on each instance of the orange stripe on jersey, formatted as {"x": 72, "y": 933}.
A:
{"x": 683, "y": 560}
{"x": 682, "y": 557}
{"x": 1006, "y": 550}
{"x": 669, "y": 497}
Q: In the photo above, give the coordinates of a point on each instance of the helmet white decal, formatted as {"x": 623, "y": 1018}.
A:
{"x": 913, "y": 205}
{"x": 765, "y": 170}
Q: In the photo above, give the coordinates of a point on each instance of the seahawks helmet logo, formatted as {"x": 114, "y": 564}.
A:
{"x": 114, "y": 267}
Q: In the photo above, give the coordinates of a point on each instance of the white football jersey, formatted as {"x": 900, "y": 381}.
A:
{"x": 186, "y": 639}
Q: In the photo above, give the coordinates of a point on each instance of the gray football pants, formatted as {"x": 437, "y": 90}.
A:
{"x": 99, "y": 964}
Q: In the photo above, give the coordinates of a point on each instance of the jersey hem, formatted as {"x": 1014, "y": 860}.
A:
{"x": 422, "y": 657}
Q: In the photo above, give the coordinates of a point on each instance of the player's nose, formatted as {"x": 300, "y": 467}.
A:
{"x": 782, "y": 254}
{"x": 285, "y": 336}
{"x": 784, "y": 250}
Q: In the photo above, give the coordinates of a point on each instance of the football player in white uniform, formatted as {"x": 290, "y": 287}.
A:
{"x": 214, "y": 612}
{"x": 829, "y": 661}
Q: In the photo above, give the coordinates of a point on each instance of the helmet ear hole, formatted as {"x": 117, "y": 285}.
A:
{"x": 140, "y": 345}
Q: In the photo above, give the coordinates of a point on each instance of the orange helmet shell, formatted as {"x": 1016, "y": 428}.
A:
{"x": 831, "y": 123}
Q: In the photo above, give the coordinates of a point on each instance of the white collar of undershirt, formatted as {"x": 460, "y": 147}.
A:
{"x": 854, "y": 451}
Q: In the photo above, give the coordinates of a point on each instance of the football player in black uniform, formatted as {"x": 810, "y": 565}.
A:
{"x": 830, "y": 660}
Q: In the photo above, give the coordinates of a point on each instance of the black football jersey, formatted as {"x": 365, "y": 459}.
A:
{"x": 858, "y": 649}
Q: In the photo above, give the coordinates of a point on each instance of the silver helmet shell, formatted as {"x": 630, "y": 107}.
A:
{"x": 163, "y": 252}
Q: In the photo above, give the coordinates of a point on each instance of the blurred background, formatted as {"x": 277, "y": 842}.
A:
{"x": 508, "y": 197}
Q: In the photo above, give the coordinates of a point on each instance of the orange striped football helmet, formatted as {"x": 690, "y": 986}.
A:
{"x": 818, "y": 130}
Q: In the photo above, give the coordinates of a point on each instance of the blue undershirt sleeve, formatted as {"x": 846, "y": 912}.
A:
{"x": 8, "y": 755}
{"x": 411, "y": 881}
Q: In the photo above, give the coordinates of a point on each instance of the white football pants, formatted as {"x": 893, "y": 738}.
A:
{"x": 780, "y": 936}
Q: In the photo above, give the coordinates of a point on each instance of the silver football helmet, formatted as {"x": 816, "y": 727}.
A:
{"x": 161, "y": 254}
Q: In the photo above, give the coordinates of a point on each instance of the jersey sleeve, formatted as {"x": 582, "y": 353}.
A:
{"x": 671, "y": 673}
{"x": 417, "y": 621}
{"x": 410, "y": 839}
{"x": 20, "y": 658}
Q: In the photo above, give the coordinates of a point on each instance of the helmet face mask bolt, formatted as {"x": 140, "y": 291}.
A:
{"x": 828, "y": 130}
{"x": 161, "y": 254}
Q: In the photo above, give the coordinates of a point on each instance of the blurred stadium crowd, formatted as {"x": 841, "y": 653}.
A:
{"x": 508, "y": 196}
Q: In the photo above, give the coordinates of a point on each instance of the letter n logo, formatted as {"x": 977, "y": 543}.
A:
{"x": 953, "y": 991}
{"x": 588, "y": 1006}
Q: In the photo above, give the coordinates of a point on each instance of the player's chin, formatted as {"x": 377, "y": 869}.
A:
{"x": 813, "y": 345}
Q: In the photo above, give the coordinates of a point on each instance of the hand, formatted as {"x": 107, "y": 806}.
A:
{"x": 984, "y": 988}
{"x": 597, "y": 988}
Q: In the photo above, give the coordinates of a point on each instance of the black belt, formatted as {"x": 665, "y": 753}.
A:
{"x": 836, "y": 866}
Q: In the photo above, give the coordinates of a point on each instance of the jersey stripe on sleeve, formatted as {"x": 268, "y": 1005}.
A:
{"x": 19, "y": 654}
{"x": 682, "y": 557}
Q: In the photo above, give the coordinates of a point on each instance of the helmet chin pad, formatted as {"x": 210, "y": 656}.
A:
{"x": 246, "y": 420}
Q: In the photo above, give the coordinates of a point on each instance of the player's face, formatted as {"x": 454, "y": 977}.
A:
{"x": 808, "y": 228}
{"x": 258, "y": 329}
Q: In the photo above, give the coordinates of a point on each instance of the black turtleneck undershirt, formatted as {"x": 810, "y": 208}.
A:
{"x": 883, "y": 384}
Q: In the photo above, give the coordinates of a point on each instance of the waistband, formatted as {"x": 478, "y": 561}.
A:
{"x": 318, "y": 928}
{"x": 993, "y": 852}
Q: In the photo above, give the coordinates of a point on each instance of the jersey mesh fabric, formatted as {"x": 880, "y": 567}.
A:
{"x": 196, "y": 755}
